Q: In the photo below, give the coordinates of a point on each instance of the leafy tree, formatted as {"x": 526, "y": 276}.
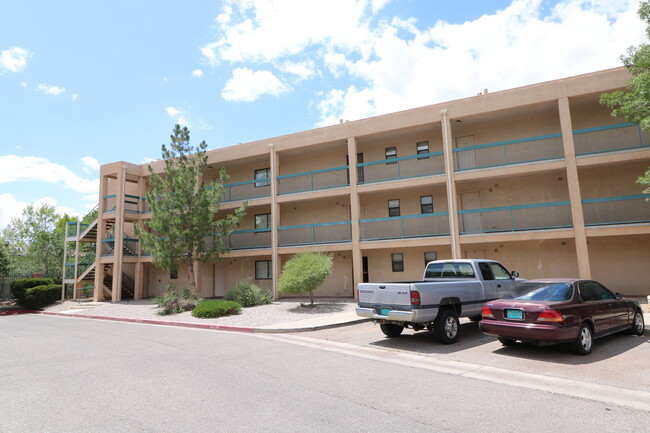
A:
{"x": 304, "y": 272}
{"x": 634, "y": 102}
{"x": 4, "y": 261}
{"x": 183, "y": 227}
{"x": 35, "y": 240}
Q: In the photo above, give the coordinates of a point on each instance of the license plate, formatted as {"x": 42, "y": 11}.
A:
{"x": 514, "y": 314}
{"x": 385, "y": 311}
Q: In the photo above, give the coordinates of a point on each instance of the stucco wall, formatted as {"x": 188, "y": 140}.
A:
{"x": 621, "y": 263}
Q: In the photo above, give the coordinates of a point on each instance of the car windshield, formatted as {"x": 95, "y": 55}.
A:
{"x": 541, "y": 292}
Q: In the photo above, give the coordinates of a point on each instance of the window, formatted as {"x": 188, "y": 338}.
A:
{"x": 592, "y": 291}
{"x": 173, "y": 274}
{"x": 263, "y": 221}
{"x": 430, "y": 257}
{"x": 263, "y": 270}
{"x": 393, "y": 208}
{"x": 398, "y": 262}
{"x": 263, "y": 174}
{"x": 422, "y": 147}
{"x": 500, "y": 273}
{"x": 426, "y": 204}
{"x": 391, "y": 153}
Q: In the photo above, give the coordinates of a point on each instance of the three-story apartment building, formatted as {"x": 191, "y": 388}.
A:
{"x": 541, "y": 178}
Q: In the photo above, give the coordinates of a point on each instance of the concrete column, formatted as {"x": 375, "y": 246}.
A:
{"x": 573, "y": 182}
{"x": 275, "y": 219}
{"x": 357, "y": 262}
{"x": 138, "y": 280}
{"x": 101, "y": 234}
{"x": 116, "y": 290}
{"x": 75, "y": 286}
{"x": 452, "y": 199}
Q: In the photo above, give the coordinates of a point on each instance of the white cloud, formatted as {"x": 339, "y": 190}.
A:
{"x": 11, "y": 207}
{"x": 147, "y": 160}
{"x": 197, "y": 73}
{"x": 182, "y": 121}
{"x": 172, "y": 112}
{"x": 248, "y": 85}
{"x": 50, "y": 90}
{"x": 90, "y": 164}
{"x": 23, "y": 85}
{"x": 74, "y": 97}
{"x": 14, "y": 59}
{"x": 379, "y": 63}
{"x": 31, "y": 168}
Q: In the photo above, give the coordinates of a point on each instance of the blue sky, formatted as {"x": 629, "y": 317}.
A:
{"x": 84, "y": 83}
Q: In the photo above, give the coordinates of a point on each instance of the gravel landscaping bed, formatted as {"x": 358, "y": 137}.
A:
{"x": 263, "y": 315}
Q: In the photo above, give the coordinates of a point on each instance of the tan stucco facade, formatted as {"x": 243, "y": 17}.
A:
{"x": 541, "y": 178}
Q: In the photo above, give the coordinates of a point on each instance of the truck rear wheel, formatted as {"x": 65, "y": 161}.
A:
{"x": 446, "y": 326}
{"x": 391, "y": 330}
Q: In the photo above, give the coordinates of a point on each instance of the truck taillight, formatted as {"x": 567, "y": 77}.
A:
{"x": 415, "y": 298}
{"x": 486, "y": 313}
{"x": 356, "y": 294}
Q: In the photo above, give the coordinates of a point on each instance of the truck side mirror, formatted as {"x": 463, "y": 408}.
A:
{"x": 514, "y": 274}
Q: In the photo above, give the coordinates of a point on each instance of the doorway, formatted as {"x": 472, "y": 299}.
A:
{"x": 472, "y": 222}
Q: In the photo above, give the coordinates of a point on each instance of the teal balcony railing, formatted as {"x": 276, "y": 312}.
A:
{"x": 247, "y": 190}
{"x": 69, "y": 271}
{"x": 628, "y": 209}
{"x": 110, "y": 203}
{"x": 313, "y": 180}
{"x": 130, "y": 247}
{"x": 536, "y": 216}
{"x": 131, "y": 203}
{"x": 426, "y": 164}
{"x": 403, "y": 227}
{"x": 249, "y": 239}
{"x": 622, "y": 136}
{"x": 540, "y": 148}
{"x": 315, "y": 234}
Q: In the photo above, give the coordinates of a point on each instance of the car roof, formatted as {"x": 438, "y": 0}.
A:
{"x": 555, "y": 280}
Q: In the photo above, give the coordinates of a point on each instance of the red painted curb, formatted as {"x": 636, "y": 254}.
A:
{"x": 157, "y": 322}
{"x": 12, "y": 312}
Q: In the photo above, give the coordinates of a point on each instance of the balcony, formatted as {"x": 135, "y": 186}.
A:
{"x": 313, "y": 180}
{"x": 406, "y": 167}
{"x": 623, "y": 136}
{"x": 522, "y": 150}
{"x": 538, "y": 216}
{"x": 248, "y": 239}
{"x": 628, "y": 209}
{"x": 247, "y": 190}
{"x": 315, "y": 234}
{"x": 404, "y": 227}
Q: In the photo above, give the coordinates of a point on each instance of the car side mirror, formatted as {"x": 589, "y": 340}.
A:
{"x": 514, "y": 274}
{"x": 619, "y": 296}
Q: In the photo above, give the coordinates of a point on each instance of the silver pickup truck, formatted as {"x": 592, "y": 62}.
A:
{"x": 450, "y": 289}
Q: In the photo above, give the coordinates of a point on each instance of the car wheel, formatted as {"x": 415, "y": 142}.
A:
{"x": 507, "y": 341}
{"x": 584, "y": 342}
{"x": 638, "y": 325}
{"x": 391, "y": 330}
{"x": 446, "y": 326}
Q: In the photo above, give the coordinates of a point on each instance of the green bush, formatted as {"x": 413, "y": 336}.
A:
{"x": 19, "y": 287}
{"x": 304, "y": 272}
{"x": 173, "y": 303}
{"x": 248, "y": 294}
{"x": 213, "y": 308}
{"x": 41, "y": 296}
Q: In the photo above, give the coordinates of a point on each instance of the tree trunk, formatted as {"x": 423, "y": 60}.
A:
{"x": 311, "y": 296}
{"x": 190, "y": 270}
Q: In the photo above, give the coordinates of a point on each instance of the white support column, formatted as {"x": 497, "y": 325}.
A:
{"x": 357, "y": 260}
{"x": 452, "y": 199}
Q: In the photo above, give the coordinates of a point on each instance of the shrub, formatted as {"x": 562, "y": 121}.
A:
{"x": 19, "y": 287}
{"x": 213, "y": 308}
{"x": 248, "y": 294}
{"x": 41, "y": 296}
{"x": 304, "y": 272}
{"x": 173, "y": 303}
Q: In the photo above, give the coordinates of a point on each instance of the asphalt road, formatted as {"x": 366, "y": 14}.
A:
{"x": 73, "y": 375}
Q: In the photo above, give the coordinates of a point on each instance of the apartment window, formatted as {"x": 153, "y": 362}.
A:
{"x": 391, "y": 153}
{"x": 430, "y": 256}
{"x": 264, "y": 176}
{"x": 173, "y": 274}
{"x": 397, "y": 260}
{"x": 393, "y": 208}
{"x": 422, "y": 147}
{"x": 263, "y": 221}
{"x": 426, "y": 204}
{"x": 263, "y": 270}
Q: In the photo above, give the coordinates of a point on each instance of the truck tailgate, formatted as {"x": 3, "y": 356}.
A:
{"x": 384, "y": 294}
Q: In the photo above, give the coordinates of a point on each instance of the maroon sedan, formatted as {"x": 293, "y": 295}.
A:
{"x": 560, "y": 311}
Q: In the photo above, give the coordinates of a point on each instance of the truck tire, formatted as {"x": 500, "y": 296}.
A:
{"x": 447, "y": 326}
{"x": 391, "y": 330}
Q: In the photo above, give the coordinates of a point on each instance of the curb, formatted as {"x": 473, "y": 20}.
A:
{"x": 246, "y": 329}
{"x": 13, "y": 312}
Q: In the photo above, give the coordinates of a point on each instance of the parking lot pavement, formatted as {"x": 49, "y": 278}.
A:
{"x": 618, "y": 360}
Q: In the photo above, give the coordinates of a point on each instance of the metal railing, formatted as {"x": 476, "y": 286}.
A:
{"x": 246, "y": 190}
{"x": 628, "y": 209}
{"x": 426, "y": 164}
{"x": 543, "y": 147}
{"x": 313, "y": 180}
{"x": 249, "y": 239}
{"x": 609, "y": 138}
{"x": 315, "y": 234}
{"x": 403, "y": 227}
{"x": 110, "y": 203}
{"x": 537, "y": 216}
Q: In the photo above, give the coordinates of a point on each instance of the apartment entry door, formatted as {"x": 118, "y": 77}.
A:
{"x": 467, "y": 158}
{"x": 472, "y": 222}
